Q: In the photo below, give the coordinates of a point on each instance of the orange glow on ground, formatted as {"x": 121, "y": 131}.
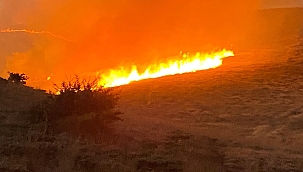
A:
{"x": 187, "y": 64}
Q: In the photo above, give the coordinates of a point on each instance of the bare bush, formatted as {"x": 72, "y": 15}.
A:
{"x": 79, "y": 107}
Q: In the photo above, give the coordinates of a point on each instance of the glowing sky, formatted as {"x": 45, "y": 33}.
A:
{"x": 109, "y": 32}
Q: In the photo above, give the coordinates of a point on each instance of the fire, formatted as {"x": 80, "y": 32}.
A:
{"x": 50, "y": 77}
{"x": 199, "y": 61}
{"x": 34, "y": 32}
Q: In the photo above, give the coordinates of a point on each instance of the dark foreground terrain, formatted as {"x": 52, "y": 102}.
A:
{"x": 244, "y": 116}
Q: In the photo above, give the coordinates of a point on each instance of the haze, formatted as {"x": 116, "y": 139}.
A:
{"x": 107, "y": 34}
{"x": 281, "y": 3}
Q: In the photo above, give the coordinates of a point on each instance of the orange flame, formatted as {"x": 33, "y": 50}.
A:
{"x": 187, "y": 64}
{"x": 34, "y": 32}
{"x": 50, "y": 77}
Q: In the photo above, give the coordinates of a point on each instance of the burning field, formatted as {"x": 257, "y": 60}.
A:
{"x": 196, "y": 92}
{"x": 243, "y": 116}
{"x": 185, "y": 65}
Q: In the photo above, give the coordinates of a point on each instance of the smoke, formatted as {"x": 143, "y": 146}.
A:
{"x": 105, "y": 34}
{"x": 281, "y": 3}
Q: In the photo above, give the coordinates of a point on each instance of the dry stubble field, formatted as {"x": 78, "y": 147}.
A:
{"x": 244, "y": 116}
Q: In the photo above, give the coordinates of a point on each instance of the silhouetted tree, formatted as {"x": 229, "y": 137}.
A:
{"x": 17, "y": 78}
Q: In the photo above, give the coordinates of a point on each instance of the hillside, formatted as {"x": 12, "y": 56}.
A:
{"x": 251, "y": 107}
{"x": 244, "y": 116}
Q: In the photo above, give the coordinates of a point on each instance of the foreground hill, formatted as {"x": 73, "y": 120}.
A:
{"x": 17, "y": 97}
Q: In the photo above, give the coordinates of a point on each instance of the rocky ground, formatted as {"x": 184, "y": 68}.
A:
{"x": 246, "y": 115}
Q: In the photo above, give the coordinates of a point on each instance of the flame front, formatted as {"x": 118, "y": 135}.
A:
{"x": 188, "y": 64}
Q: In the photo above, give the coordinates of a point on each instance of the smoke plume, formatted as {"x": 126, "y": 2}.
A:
{"x": 104, "y": 34}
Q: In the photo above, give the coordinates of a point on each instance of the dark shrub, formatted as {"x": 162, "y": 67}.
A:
{"x": 17, "y": 78}
{"x": 79, "y": 107}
